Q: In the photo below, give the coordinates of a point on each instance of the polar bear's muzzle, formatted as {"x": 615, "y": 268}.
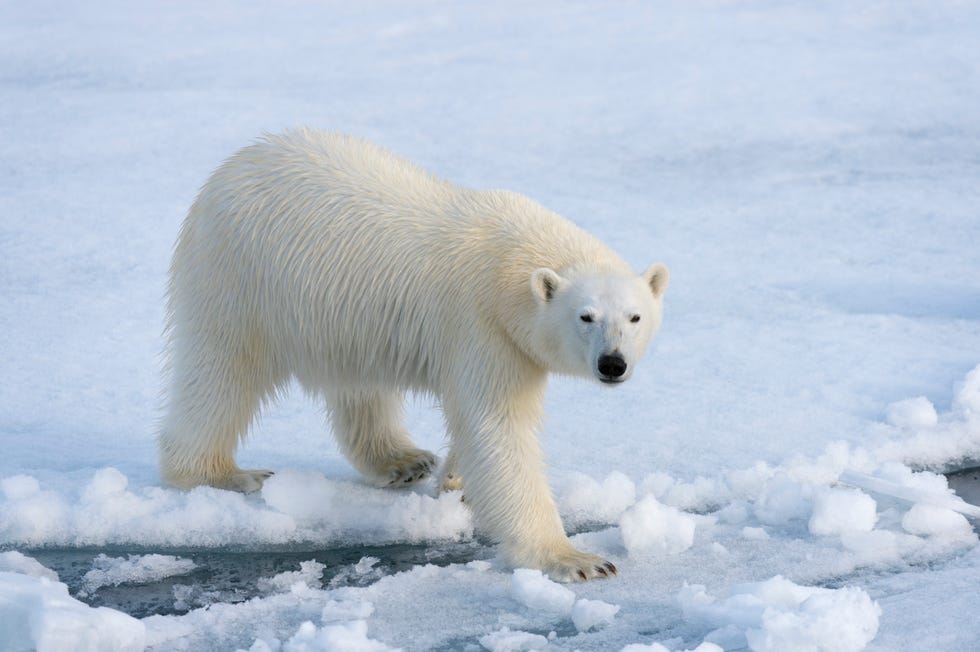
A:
{"x": 612, "y": 368}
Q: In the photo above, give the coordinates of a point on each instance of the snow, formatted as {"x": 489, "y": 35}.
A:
{"x": 585, "y": 498}
{"x": 913, "y": 413}
{"x": 836, "y": 511}
{"x": 136, "y": 569}
{"x": 346, "y": 637}
{"x": 927, "y": 520}
{"x": 17, "y": 562}
{"x": 535, "y": 591}
{"x": 504, "y": 640}
{"x": 650, "y": 527}
{"x": 36, "y": 613}
{"x": 589, "y": 614}
{"x": 780, "y": 615}
{"x": 808, "y": 171}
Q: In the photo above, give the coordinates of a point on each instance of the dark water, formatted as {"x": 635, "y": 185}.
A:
{"x": 966, "y": 484}
{"x": 227, "y": 575}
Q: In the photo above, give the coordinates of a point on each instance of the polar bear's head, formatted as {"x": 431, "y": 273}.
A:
{"x": 597, "y": 324}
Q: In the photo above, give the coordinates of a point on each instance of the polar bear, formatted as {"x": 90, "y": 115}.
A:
{"x": 322, "y": 258}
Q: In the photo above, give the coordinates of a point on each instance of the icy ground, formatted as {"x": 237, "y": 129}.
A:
{"x": 769, "y": 480}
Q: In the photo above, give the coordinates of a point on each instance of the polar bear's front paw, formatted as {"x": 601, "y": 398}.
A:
{"x": 408, "y": 468}
{"x": 575, "y": 566}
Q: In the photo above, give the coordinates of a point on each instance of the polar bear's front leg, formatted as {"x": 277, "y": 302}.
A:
{"x": 497, "y": 452}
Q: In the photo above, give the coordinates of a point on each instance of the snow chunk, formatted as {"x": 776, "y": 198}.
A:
{"x": 955, "y": 436}
{"x": 733, "y": 513}
{"x": 585, "y": 500}
{"x": 780, "y": 615}
{"x": 651, "y": 527}
{"x": 929, "y": 520}
{"x": 136, "y": 569}
{"x": 912, "y": 414}
{"x": 754, "y": 533}
{"x": 844, "y": 620}
{"x": 781, "y": 501}
{"x": 587, "y": 614}
{"x": 309, "y": 574}
{"x": 533, "y": 589}
{"x": 967, "y": 400}
{"x": 898, "y": 481}
{"x": 505, "y": 640}
{"x": 19, "y": 487}
{"x": 16, "y": 562}
{"x": 29, "y": 515}
{"x": 345, "y": 637}
{"x": 38, "y": 614}
{"x": 842, "y": 510}
{"x": 701, "y": 494}
{"x": 105, "y": 483}
{"x": 360, "y": 574}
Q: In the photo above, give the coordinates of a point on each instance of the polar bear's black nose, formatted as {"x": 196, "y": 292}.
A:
{"x": 612, "y": 366}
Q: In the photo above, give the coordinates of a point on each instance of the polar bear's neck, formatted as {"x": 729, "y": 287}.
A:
{"x": 511, "y": 236}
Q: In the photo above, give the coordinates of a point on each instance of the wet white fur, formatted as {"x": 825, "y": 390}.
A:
{"x": 323, "y": 258}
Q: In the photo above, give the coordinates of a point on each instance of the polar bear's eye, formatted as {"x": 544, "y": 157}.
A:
{"x": 586, "y": 317}
{"x": 635, "y": 318}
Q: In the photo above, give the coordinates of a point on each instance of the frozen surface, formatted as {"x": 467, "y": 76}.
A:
{"x": 36, "y": 613}
{"x": 135, "y": 569}
{"x": 779, "y": 615}
{"x": 809, "y": 172}
{"x": 589, "y": 614}
{"x": 535, "y": 591}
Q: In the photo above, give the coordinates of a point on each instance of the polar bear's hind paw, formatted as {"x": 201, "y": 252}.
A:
{"x": 246, "y": 481}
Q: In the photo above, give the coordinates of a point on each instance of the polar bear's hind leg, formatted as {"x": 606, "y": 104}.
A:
{"x": 210, "y": 410}
{"x": 369, "y": 428}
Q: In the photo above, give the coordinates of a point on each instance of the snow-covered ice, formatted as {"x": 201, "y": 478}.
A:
{"x": 17, "y": 562}
{"x": 771, "y": 477}
{"x": 36, "y": 613}
{"x": 650, "y": 526}
{"x": 135, "y": 569}
{"x": 587, "y": 614}
{"x": 778, "y": 615}
{"x": 534, "y": 590}
{"x": 842, "y": 510}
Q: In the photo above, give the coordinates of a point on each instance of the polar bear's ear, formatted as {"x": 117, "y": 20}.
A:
{"x": 545, "y": 283}
{"x": 658, "y": 278}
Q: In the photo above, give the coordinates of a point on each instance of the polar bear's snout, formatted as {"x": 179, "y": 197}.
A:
{"x": 612, "y": 367}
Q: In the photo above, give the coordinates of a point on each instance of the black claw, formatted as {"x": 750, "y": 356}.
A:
{"x": 601, "y": 571}
{"x": 582, "y": 576}
{"x": 611, "y": 568}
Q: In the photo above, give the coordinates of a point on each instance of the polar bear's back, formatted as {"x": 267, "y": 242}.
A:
{"x": 328, "y": 255}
